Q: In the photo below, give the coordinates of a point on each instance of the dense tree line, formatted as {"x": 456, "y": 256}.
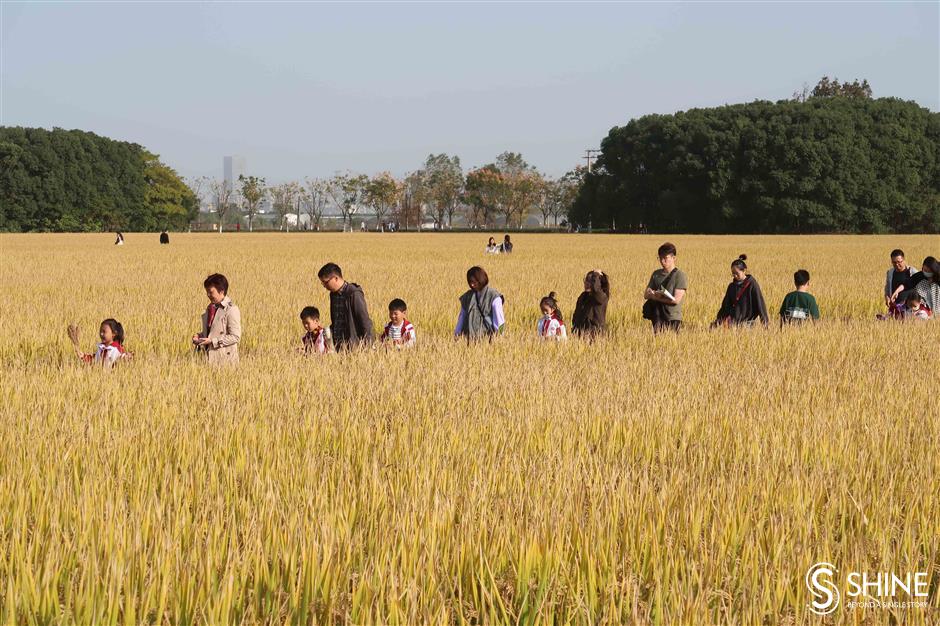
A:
{"x": 833, "y": 160}
{"x": 70, "y": 180}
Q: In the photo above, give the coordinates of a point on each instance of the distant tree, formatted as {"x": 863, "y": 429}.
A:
{"x": 412, "y": 197}
{"x": 829, "y": 164}
{"x": 348, "y": 191}
{"x": 827, "y": 88}
{"x": 509, "y": 187}
{"x": 382, "y": 193}
{"x": 252, "y": 192}
{"x": 283, "y": 200}
{"x": 223, "y": 196}
{"x": 316, "y": 196}
{"x": 170, "y": 203}
{"x": 444, "y": 180}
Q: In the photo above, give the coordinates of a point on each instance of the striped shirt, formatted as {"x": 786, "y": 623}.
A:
{"x": 403, "y": 334}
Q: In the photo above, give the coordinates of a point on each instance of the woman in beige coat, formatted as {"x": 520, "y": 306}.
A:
{"x": 221, "y": 324}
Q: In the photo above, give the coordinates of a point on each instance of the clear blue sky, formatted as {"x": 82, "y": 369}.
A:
{"x": 307, "y": 89}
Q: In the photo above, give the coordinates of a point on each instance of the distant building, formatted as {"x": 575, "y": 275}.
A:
{"x": 233, "y": 167}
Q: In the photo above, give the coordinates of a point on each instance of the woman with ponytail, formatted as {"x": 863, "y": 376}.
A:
{"x": 743, "y": 303}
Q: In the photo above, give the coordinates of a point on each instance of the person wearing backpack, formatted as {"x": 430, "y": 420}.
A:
{"x": 743, "y": 303}
{"x": 665, "y": 292}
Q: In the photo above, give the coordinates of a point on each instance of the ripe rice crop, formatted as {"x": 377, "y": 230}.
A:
{"x": 688, "y": 479}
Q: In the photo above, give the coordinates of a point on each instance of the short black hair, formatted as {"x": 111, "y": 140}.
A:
{"x": 218, "y": 281}
{"x": 330, "y": 269}
{"x": 897, "y": 252}
{"x": 397, "y": 305}
{"x": 913, "y": 296}
{"x": 666, "y": 249}
{"x": 800, "y": 277}
{"x": 310, "y": 312}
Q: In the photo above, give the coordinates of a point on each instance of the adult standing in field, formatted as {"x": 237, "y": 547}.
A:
{"x": 665, "y": 292}
{"x": 164, "y": 237}
{"x": 119, "y": 240}
{"x": 926, "y": 283}
{"x": 900, "y": 271}
{"x": 350, "y": 323}
{"x": 590, "y": 311}
{"x": 491, "y": 246}
{"x": 481, "y": 308}
{"x": 221, "y": 324}
{"x": 743, "y": 303}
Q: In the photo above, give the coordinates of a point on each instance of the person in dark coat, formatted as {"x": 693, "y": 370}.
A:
{"x": 506, "y": 248}
{"x": 590, "y": 311}
{"x": 350, "y": 323}
{"x": 743, "y": 303}
{"x": 164, "y": 237}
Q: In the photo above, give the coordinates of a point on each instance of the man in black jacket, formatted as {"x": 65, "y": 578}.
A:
{"x": 350, "y": 324}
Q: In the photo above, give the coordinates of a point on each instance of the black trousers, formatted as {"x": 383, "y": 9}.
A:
{"x": 662, "y": 326}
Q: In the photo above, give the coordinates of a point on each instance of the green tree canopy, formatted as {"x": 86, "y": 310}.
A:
{"x": 70, "y": 180}
{"x": 836, "y": 162}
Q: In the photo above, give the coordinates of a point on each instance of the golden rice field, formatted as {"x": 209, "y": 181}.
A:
{"x": 688, "y": 479}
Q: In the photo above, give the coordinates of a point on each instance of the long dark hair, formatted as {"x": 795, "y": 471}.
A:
{"x": 605, "y": 281}
{"x": 933, "y": 265}
{"x": 551, "y": 301}
{"x": 116, "y": 328}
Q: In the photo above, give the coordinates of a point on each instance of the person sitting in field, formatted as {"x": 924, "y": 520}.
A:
{"x": 506, "y": 248}
{"x": 900, "y": 271}
{"x": 492, "y": 247}
{"x": 399, "y": 332}
{"x": 481, "y": 308}
{"x": 743, "y": 303}
{"x": 551, "y": 326}
{"x": 800, "y": 305}
{"x": 350, "y": 323}
{"x": 590, "y": 311}
{"x": 221, "y": 324}
{"x": 317, "y": 339}
{"x": 109, "y": 351}
{"x": 925, "y": 282}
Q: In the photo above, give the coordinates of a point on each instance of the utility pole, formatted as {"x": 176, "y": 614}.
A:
{"x": 589, "y": 156}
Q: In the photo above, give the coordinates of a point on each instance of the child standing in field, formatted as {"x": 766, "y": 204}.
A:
{"x": 399, "y": 332}
{"x": 800, "y": 305}
{"x": 110, "y": 350}
{"x": 317, "y": 339}
{"x": 551, "y": 325}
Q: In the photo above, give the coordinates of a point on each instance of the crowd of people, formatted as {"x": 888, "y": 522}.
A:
{"x": 908, "y": 295}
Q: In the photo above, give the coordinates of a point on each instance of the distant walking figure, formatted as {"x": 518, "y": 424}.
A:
{"x": 119, "y": 240}
{"x": 164, "y": 237}
{"x": 590, "y": 311}
{"x": 743, "y": 303}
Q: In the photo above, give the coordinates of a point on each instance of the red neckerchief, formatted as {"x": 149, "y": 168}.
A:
{"x": 210, "y": 312}
{"x": 405, "y": 323}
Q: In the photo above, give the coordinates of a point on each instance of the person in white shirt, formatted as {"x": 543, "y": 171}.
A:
{"x": 399, "y": 332}
{"x": 551, "y": 325}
